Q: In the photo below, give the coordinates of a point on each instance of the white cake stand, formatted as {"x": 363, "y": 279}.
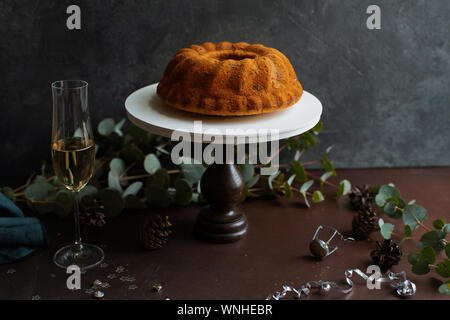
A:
{"x": 222, "y": 184}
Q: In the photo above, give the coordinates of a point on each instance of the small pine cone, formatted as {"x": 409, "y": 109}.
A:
{"x": 360, "y": 197}
{"x": 386, "y": 254}
{"x": 92, "y": 219}
{"x": 155, "y": 232}
{"x": 364, "y": 223}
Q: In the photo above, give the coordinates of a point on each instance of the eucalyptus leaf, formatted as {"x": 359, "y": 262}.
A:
{"x": 408, "y": 231}
{"x": 291, "y": 179}
{"x": 413, "y": 214}
{"x": 160, "y": 179}
{"x": 391, "y": 210}
{"x": 443, "y": 268}
{"x": 271, "y": 178}
{"x": 299, "y": 171}
{"x": 293, "y": 143}
{"x": 117, "y": 166}
{"x": 433, "y": 239}
{"x": 309, "y": 139}
{"x": 118, "y": 128}
{"x": 344, "y": 188}
{"x": 386, "y": 230}
{"x": 247, "y": 171}
{"x": 87, "y": 195}
{"x": 304, "y": 188}
{"x": 132, "y": 153}
{"x": 112, "y": 202}
{"x": 88, "y": 190}
{"x": 317, "y": 196}
{"x": 254, "y": 180}
{"x": 438, "y": 224}
{"x": 413, "y": 257}
{"x": 157, "y": 189}
{"x": 64, "y": 203}
{"x": 40, "y": 179}
{"x": 385, "y": 192}
{"x": 133, "y": 189}
{"x": 138, "y": 134}
{"x": 324, "y": 177}
{"x": 445, "y": 288}
{"x": 421, "y": 268}
{"x": 114, "y": 182}
{"x": 38, "y": 191}
{"x": 328, "y": 150}
{"x": 192, "y": 170}
{"x": 446, "y": 228}
{"x": 106, "y": 126}
{"x": 317, "y": 128}
{"x": 151, "y": 163}
{"x": 327, "y": 166}
{"x": 427, "y": 254}
{"x": 183, "y": 195}
{"x": 8, "y": 192}
{"x": 287, "y": 190}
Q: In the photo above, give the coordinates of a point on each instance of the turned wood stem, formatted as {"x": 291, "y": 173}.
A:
{"x": 223, "y": 187}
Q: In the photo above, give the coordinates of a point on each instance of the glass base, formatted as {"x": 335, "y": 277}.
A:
{"x": 83, "y": 255}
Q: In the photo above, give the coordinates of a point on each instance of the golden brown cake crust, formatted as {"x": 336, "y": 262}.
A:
{"x": 227, "y": 79}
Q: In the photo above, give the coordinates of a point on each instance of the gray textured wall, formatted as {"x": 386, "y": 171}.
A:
{"x": 385, "y": 92}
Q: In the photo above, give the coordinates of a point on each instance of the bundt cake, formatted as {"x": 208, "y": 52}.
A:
{"x": 229, "y": 80}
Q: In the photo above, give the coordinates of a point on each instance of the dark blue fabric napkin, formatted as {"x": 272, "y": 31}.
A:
{"x": 19, "y": 236}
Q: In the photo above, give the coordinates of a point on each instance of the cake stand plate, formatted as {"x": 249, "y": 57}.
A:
{"x": 146, "y": 110}
{"x": 222, "y": 184}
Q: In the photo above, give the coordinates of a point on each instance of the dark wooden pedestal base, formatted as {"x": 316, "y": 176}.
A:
{"x": 222, "y": 186}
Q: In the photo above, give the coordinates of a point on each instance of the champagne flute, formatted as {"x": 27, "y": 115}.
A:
{"x": 73, "y": 157}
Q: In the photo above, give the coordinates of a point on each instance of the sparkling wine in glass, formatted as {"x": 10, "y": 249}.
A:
{"x": 73, "y": 157}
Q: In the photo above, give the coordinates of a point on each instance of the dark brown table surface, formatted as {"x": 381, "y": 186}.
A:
{"x": 274, "y": 252}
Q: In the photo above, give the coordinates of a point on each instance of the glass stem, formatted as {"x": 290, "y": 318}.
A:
{"x": 77, "y": 222}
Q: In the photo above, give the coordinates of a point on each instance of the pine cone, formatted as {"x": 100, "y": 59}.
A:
{"x": 155, "y": 232}
{"x": 386, "y": 255}
{"x": 364, "y": 223}
{"x": 91, "y": 215}
{"x": 360, "y": 197}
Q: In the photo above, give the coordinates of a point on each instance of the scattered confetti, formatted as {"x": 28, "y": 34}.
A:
{"x": 97, "y": 283}
{"x": 99, "y": 294}
{"x": 105, "y": 285}
{"x": 120, "y": 269}
{"x": 111, "y": 276}
{"x": 157, "y": 287}
{"x": 36, "y": 297}
{"x": 127, "y": 279}
{"x": 132, "y": 287}
{"x": 11, "y": 271}
{"x": 89, "y": 291}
